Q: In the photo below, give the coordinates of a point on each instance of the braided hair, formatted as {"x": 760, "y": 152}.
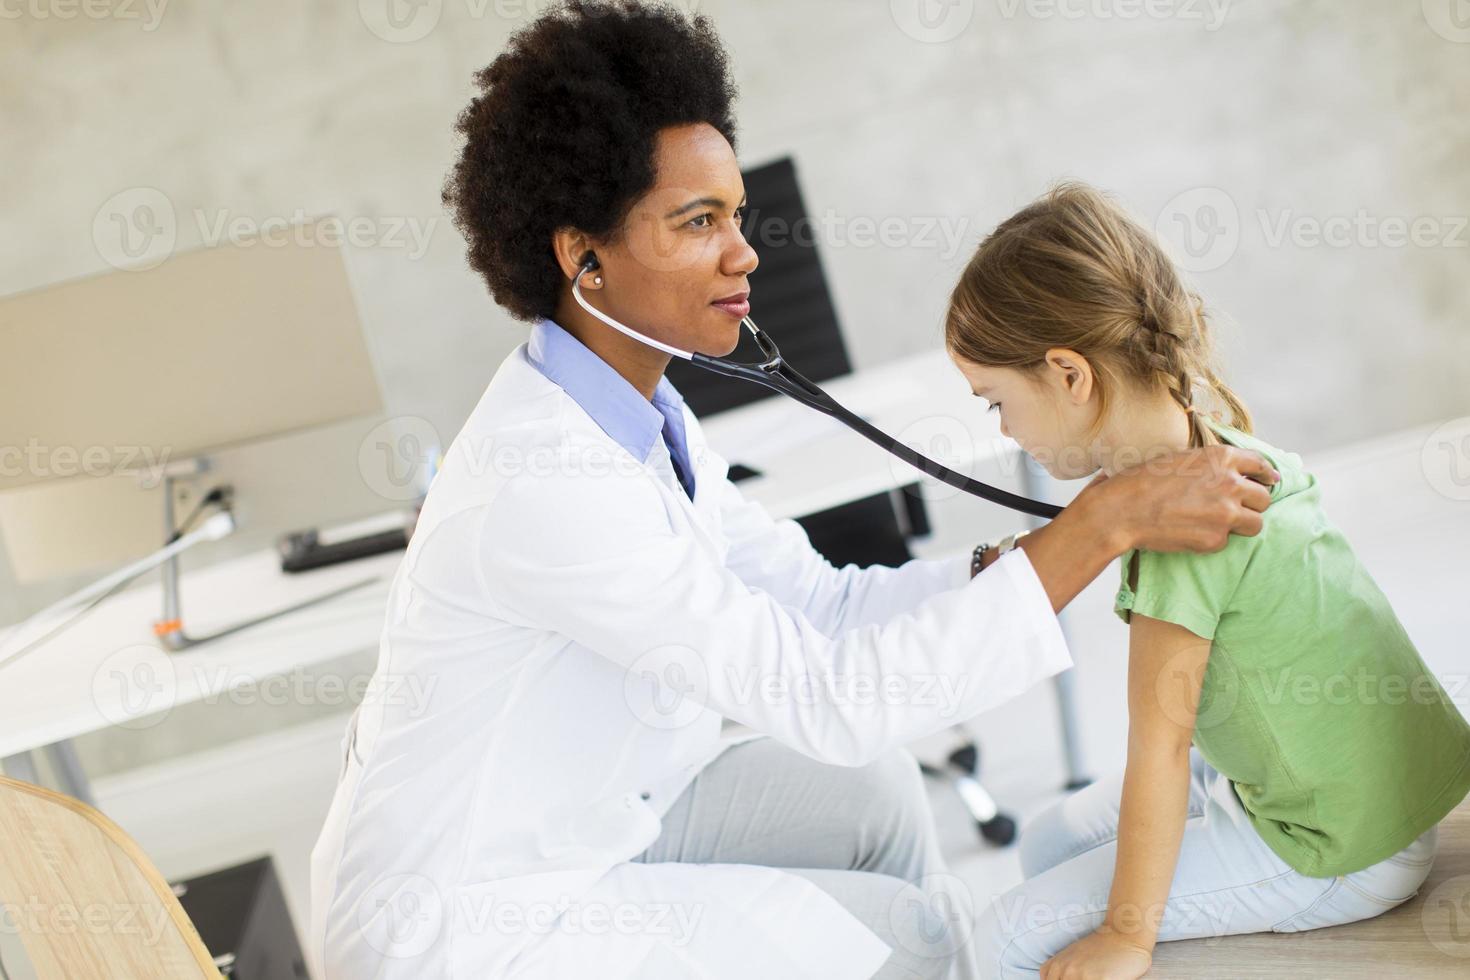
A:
{"x": 1073, "y": 270}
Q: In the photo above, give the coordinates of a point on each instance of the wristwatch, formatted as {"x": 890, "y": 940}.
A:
{"x": 1007, "y": 544}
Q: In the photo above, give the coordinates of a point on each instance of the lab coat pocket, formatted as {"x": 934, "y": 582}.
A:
{"x": 616, "y": 825}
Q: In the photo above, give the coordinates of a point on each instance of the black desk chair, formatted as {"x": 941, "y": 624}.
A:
{"x": 876, "y": 531}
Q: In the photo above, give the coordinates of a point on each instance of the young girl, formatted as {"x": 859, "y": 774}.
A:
{"x": 1324, "y": 752}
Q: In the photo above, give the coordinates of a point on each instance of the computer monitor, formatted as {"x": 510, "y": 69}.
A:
{"x": 789, "y": 296}
{"x": 213, "y": 348}
{"x": 250, "y": 353}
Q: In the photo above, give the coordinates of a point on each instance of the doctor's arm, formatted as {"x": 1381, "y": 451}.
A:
{"x": 776, "y": 557}
{"x": 1192, "y": 501}
{"x": 607, "y": 571}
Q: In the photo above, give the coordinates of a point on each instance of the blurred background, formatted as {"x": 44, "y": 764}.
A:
{"x": 1304, "y": 159}
{"x": 1249, "y": 131}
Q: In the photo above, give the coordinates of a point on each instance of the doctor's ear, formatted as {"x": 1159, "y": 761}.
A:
{"x": 590, "y": 267}
{"x": 574, "y": 254}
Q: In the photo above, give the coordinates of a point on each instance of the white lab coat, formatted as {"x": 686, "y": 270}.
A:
{"x": 515, "y": 751}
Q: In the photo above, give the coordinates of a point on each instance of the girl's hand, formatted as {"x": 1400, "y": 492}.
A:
{"x": 1103, "y": 955}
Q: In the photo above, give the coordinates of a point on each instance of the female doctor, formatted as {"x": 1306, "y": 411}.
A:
{"x": 586, "y": 597}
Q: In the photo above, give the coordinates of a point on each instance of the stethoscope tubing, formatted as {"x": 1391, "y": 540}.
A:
{"x": 774, "y": 373}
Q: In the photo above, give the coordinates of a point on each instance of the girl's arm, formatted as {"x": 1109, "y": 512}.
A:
{"x": 1166, "y": 666}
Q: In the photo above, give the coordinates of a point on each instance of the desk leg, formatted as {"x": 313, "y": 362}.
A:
{"x": 21, "y": 766}
{"x": 69, "y": 772}
{"x": 67, "y": 767}
{"x": 1036, "y": 483}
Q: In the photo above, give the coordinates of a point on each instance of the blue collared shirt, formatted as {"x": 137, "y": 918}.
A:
{"x": 614, "y": 404}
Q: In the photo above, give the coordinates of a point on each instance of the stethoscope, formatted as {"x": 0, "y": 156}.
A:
{"x": 774, "y": 373}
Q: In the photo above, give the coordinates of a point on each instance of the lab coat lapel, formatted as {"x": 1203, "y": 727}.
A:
{"x": 703, "y": 512}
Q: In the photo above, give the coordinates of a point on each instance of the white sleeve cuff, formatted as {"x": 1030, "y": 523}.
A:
{"x": 962, "y": 570}
{"x": 1015, "y": 565}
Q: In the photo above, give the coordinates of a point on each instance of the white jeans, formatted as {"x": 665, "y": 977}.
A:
{"x": 1227, "y": 881}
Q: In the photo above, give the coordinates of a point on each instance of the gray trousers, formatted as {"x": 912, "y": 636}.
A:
{"x": 864, "y": 835}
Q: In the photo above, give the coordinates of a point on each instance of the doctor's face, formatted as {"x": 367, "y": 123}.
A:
{"x": 678, "y": 268}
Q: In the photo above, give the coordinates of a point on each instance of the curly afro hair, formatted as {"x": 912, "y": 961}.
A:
{"x": 563, "y": 131}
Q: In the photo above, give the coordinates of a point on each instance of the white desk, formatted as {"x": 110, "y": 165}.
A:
{"x": 108, "y": 669}
{"x": 810, "y": 462}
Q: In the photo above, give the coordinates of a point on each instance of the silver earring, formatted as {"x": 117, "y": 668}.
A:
{"x": 597, "y": 280}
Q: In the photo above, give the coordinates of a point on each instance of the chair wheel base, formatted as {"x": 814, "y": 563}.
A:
{"x": 999, "y": 829}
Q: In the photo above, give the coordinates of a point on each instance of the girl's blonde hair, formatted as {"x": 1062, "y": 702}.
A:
{"x": 1073, "y": 270}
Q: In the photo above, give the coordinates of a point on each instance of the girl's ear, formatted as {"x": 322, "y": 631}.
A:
{"x": 1072, "y": 373}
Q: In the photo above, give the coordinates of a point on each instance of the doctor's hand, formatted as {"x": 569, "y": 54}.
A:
{"x": 1190, "y": 501}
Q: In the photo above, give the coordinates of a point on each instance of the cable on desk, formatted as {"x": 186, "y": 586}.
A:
{"x": 64, "y": 624}
{"x": 217, "y": 495}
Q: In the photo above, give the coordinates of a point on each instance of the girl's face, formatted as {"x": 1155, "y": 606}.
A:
{"x": 678, "y": 269}
{"x": 1049, "y": 413}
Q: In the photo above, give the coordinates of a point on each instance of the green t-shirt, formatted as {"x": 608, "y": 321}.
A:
{"x": 1341, "y": 745}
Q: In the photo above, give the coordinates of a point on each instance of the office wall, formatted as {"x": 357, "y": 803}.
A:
{"x": 1308, "y": 111}
{"x": 1308, "y": 156}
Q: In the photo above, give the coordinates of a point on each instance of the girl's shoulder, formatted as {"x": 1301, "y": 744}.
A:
{"x": 1294, "y": 477}
{"x": 1197, "y": 590}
